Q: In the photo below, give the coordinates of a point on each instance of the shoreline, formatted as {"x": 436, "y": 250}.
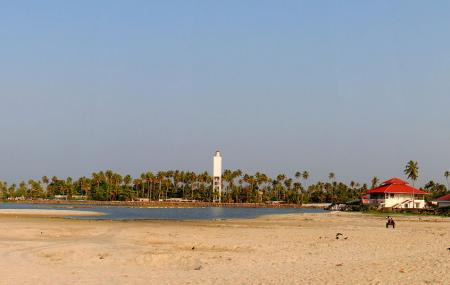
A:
{"x": 167, "y": 204}
{"x": 47, "y": 213}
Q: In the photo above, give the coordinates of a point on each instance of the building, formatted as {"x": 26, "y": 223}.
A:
{"x": 443, "y": 201}
{"x": 396, "y": 193}
{"x": 217, "y": 176}
{"x": 365, "y": 199}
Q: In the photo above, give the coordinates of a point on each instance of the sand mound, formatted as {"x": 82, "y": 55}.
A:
{"x": 294, "y": 249}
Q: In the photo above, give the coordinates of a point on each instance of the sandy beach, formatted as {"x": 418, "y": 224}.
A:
{"x": 288, "y": 249}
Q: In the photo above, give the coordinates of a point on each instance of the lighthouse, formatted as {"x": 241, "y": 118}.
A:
{"x": 217, "y": 175}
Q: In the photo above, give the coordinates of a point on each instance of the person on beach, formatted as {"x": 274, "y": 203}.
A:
{"x": 390, "y": 222}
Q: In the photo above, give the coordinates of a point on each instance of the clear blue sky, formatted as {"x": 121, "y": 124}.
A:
{"x": 354, "y": 87}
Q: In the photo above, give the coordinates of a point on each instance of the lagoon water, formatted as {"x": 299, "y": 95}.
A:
{"x": 129, "y": 213}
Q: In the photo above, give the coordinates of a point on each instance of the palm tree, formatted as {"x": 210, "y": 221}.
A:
{"x": 69, "y": 187}
{"x": 128, "y": 194}
{"x": 280, "y": 180}
{"x": 288, "y": 185}
{"x": 305, "y": 175}
{"x": 85, "y": 186}
{"x": 45, "y": 180}
{"x": 375, "y": 181}
{"x": 160, "y": 178}
{"x": 149, "y": 177}
{"x": 250, "y": 180}
{"x": 261, "y": 181}
{"x": 53, "y": 186}
{"x": 446, "y": 175}
{"x": 298, "y": 185}
{"x": 109, "y": 177}
{"x": 137, "y": 185}
{"x": 35, "y": 189}
{"x": 331, "y": 176}
{"x": 117, "y": 182}
{"x": 412, "y": 171}
{"x": 96, "y": 179}
{"x": 228, "y": 178}
{"x": 143, "y": 179}
{"x": 177, "y": 175}
{"x": 127, "y": 180}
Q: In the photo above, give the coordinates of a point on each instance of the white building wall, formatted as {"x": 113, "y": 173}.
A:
{"x": 217, "y": 175}
{"x": 403, "y": 201}
{"x": 217, "y": 165}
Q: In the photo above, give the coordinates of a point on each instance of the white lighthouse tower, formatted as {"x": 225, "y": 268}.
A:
{"x": 217, "y": 175}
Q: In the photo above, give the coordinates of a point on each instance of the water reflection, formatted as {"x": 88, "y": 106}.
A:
{"x": 127, "y": 213}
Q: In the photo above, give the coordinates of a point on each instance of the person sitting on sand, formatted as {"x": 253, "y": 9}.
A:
{"x": 390, "y": 222}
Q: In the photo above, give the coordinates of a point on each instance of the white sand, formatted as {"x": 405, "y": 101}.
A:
{"x": 290, "y": 249}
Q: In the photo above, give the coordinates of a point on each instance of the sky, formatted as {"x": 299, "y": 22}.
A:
{"x": 357, "y": 88}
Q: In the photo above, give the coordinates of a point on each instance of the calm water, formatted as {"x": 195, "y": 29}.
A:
{"x": 126, "y": 213}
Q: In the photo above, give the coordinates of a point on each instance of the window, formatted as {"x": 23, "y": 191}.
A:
{"x": 391, "y": 196}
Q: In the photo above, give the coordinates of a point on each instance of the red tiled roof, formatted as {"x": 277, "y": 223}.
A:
{"x": 395, "y": 181}
{"x": 396, "y": 185}
{"x": 444, "y": 198}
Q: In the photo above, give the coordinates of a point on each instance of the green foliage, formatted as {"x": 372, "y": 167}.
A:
{"x": 238, "y": 187}
{"x": 435, "y": 189}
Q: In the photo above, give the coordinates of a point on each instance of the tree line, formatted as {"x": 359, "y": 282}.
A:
{"x": 238, "y": 187}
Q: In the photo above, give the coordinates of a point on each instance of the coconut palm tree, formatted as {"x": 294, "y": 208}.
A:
{"x": 261, "y": 181}
{"x": 288, "y": 185}
{"x": 109, "y": 177}
{"x": 305, "y": 175}
{"x": 137, "y": 184}
{"x": 69, "y": 187}
{"x": 128, "y": 193}
{"x": 35, "y": 189}
{"x": 250, "y": 180}
{"x": 374, "y": 182}
{"x": 297, "y": 185}
{"x": 96, "y": 180}
{"x": 85, "y": 185}
{"x": 127, "y": 180}
{"x": 446, "y": 175}
{"x": 160, "y": 178}
{"x": 45, "y": 180}
{"x": 412, "y": 170}
{"x": 331, "y": 176}
{"x": 280, "y": 181}
{"x": 117, "y": 182}
{"x": 149, "y": 178}
{"x": 169, "y": 175}
{"x": 228, "y": 178}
